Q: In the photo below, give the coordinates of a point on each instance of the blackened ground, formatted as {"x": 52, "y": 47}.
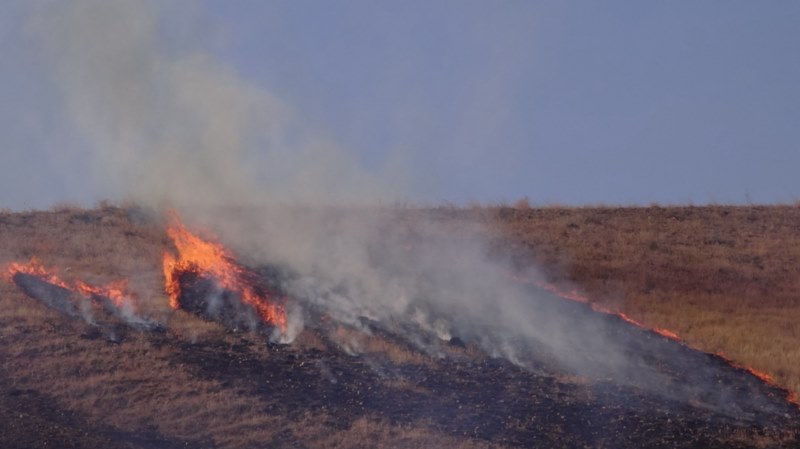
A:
{"x": 53, "y": 296}
{"x": 203, "y": 297}
{"x": 484, "y": 399}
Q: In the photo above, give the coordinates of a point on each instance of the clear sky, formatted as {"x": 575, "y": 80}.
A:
{"x": 573, "y": 102}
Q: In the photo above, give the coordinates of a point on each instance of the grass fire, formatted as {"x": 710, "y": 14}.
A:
{"x": 336, "y": 226}
{"x": 178, "y": 349}
{"x": 200, "y": 260}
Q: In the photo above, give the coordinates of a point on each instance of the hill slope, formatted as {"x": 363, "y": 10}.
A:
{"x": 197, "y": 383}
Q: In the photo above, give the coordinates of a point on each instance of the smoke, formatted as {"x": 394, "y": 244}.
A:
{"x": 436, "y": 284}
{"x": 427, "y": 281}
{"x": 169, "y": 124}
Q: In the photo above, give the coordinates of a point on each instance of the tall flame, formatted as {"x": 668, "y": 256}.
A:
{"x": 213, "y": 260}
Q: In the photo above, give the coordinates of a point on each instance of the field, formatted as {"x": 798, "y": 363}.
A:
{"x": 723, "y": 278}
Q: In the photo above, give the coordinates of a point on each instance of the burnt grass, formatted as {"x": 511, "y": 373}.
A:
{"x": 490, "y": 400}
{"x": 51, "y": 295}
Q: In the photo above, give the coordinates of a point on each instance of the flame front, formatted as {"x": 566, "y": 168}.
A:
{"x": 575, "y": 295}
{"x": 213, "y": 260}
{"x": 35, "y": 268}
{"x": 116, "y": 291}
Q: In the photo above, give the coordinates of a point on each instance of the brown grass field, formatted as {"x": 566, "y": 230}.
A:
{"x": 724, "y": 278}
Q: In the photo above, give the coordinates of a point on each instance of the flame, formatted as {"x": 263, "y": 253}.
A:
{"x": 35, "y": 268}
{"x": 765, "y": 377}
{"x": 212, "y": 260}
{"x": 116, "y": 291}
{"x": 573, "y": 295}
{"x": 666, "y": 333}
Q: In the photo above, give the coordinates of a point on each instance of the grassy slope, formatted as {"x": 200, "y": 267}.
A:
{"x": 725, "y": 278}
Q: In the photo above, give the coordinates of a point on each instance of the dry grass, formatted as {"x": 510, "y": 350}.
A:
{"x": 370, "y": 433}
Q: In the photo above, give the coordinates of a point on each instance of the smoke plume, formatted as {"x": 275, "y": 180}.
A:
{"x": 170, "y": 124}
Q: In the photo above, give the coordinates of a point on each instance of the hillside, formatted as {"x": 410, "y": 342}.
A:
{"x": 722, "y": 278}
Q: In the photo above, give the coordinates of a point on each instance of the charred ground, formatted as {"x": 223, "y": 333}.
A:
{"x": 201, "y": 384}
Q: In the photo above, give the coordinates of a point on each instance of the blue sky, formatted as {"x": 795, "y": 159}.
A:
{"x": 573, "y": 102}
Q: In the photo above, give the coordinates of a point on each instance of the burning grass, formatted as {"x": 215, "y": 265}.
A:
{"x": 210, "y": 260}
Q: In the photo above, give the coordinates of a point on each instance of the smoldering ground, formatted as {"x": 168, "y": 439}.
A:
{"x": 167, "y": 124}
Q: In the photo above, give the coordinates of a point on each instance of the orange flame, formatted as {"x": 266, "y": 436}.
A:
{"x": 574, "y": 295}
{"x": 666, "y": 333}
{"x": 760, "y": 374}
{"x": 115, "y": 291}
{"x": 35, "y": 268}
{"x": 215, "y": 261}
